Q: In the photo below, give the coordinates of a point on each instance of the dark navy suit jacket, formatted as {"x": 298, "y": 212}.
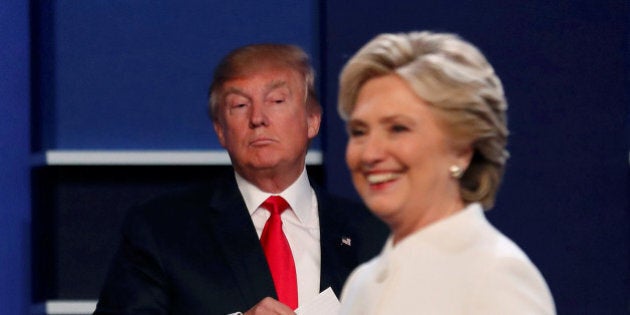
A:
{"x": 197, "y": 252}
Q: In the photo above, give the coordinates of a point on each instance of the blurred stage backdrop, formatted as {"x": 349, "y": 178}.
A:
{"x": 103, "y": 105}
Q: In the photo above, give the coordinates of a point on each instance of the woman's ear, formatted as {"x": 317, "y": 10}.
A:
{"x": 464, "y": 156}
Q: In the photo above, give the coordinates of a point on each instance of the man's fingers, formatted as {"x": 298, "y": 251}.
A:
{"x": 269, "y": 306}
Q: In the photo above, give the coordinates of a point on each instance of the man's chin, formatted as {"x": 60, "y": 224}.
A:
{"x": 263, "y": 164}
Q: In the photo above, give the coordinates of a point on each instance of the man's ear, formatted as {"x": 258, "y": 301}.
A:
{"x": 313, "y": 121}
{"x": 218, "y": 129}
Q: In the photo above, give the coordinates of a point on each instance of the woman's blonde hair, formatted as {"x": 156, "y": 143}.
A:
{"x": 460, "y": 85}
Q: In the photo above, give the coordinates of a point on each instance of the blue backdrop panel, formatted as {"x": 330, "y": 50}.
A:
{"x": 14, "y": 157}
{"x": 564, "y": 65}
{"x": 135, "y": 74}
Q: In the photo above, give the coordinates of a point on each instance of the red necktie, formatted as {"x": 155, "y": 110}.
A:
{"x": 278, "y": 253}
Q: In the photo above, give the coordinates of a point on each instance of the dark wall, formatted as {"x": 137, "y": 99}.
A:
{"x": 78, "y": 214}
{"x": 564, "y": 65}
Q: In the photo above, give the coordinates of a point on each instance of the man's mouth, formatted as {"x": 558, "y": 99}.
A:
{"x": 261, "y": 141}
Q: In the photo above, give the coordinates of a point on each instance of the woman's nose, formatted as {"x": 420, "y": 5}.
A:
{"x": 373, "y": 149}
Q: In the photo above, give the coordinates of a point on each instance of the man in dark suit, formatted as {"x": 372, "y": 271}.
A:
{"x": 200, "y": 252}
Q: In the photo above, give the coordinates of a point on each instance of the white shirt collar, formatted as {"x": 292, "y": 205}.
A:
{"x": 298, "y": 195}
{"x": 449, "y": 231}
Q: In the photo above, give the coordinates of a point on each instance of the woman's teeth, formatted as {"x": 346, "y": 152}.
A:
{"x": 381, "y": 177}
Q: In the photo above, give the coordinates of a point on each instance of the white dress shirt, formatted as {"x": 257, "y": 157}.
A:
{"x": 301, "y": 227}
{"x": 458, "y": 265}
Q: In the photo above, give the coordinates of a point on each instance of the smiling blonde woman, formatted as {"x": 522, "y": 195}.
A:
{"x": 426, "y": 116}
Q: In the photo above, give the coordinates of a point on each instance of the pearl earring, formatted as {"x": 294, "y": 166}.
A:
{"x": 455, "y": 171}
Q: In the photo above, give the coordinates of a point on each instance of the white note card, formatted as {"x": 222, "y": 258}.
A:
{"x": 326, "y": 303}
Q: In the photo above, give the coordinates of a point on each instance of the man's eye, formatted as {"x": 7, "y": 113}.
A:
{"x": 279, "y": 101}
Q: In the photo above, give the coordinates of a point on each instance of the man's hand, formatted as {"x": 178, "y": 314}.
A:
{"x": 268, "y": 306}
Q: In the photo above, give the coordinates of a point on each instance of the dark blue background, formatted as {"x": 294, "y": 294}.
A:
{"x": 564, "y": 66}
{"x": 133, "y": 75}
{"x": 14, "y": 158}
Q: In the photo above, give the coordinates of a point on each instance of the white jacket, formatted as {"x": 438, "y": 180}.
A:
{"x": 458, "y": 265}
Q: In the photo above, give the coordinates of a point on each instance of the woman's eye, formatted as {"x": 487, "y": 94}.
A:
{"x": 356, "y": 132}
{"x": 399, "y": 128}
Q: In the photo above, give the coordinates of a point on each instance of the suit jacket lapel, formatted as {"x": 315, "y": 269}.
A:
{"x": 236, "y": 235}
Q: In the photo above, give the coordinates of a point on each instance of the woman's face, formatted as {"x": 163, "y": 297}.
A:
{"x": 399, "y": 155}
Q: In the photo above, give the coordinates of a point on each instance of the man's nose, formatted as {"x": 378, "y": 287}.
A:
{"x": 258, "y": 116}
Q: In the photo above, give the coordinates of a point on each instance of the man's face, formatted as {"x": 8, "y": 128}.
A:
{"x": 263, "y": 122}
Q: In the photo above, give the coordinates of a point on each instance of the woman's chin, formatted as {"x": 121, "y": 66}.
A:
{"x": 382, "y": 209}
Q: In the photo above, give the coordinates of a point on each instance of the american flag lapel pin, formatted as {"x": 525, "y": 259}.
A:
{"x": 346, "y": 241}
